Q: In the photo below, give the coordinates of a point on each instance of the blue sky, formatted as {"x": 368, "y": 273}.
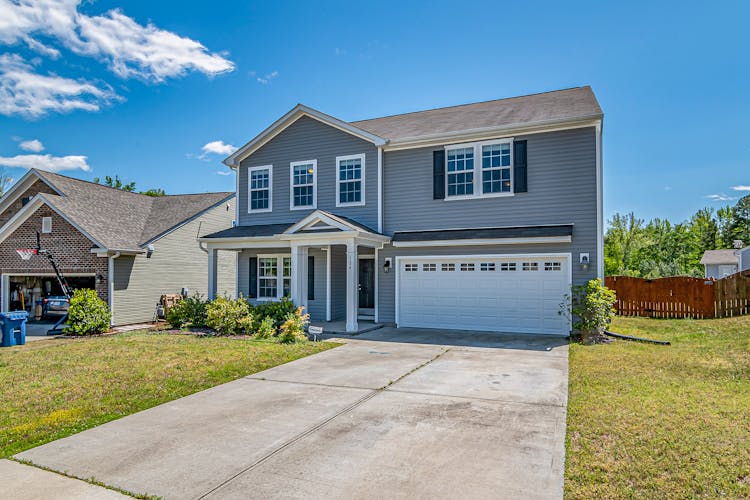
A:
{"x": 161, "y": 80}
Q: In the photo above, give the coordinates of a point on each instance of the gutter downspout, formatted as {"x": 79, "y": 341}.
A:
{"x": 111, "y": 286}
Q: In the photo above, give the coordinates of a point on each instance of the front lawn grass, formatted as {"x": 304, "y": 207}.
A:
{"x": 650, "y": 421}
{"x": 53, "y": 388}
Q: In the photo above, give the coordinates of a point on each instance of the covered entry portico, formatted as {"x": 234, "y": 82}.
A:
{"x": 335, "y": 245}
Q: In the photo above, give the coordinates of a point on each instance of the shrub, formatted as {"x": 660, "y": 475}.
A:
{"x": 87, "y": 314}
{"x": 229, "y": 316}
{"x": 278, "y": 311}
{"x": 592, "y": 308}
{"x": 265, "y": 329}
{"x": 190, "y": 311}
{"x": 293, "y": 328}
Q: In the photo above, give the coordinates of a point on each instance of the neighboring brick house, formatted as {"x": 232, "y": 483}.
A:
{"x": 129, "y": 247}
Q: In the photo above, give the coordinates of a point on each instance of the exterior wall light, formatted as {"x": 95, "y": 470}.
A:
{"x": 387, "y": 265}
{"x": 583, "y": 259}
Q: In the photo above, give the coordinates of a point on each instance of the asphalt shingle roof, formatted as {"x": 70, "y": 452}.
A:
{"x": 558, "y": 105}
{"x": 121, "y": 220}
{"x": 720, "y": 257}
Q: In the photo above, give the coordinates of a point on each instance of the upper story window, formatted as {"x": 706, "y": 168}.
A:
{"x": 350, "y": 180}
{"x": 492, "y": 175}
{"x": 496, "y": 168}
{"x": 303, "y": 185}
{"x": 460, "y": 171}
{"x": 260, "y": 180}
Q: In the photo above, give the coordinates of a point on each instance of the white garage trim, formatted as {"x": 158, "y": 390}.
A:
{"x": 407, "y": 258}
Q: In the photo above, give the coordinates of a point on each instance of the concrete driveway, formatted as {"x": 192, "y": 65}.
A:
{"x": 392, "y": 414}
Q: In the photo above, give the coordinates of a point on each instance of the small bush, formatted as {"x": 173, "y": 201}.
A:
{"x": 265, "y": 329}
{"x": 190, "y": 311}
{"x": 276, "y": 310}
{"x": 87, "y": 314}
{"x": 293, "y": 328}
{"x": 229, "y": 316}
{"x": 591, "y": 307}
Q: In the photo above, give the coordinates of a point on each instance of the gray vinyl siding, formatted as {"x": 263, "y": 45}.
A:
{"x": 338, "y": 282}
{"x": 387, "y": 281}
{"x": 713, "y": 271}
{"x": 177, "y": 261}
{"x": 744, "y": 256}
{"x": 309, "y": 139}
{"x": 316, "y": 307}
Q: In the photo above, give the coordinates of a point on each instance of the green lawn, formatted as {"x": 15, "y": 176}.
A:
{"x": 53, "y": 388}
{"x": 661, "y": 421}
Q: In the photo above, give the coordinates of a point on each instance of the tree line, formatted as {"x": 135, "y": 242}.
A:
{"x": 658, "y": 248}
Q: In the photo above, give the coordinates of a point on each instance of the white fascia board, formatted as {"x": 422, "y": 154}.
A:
{"x": 20, "y": 186}
{"x": 320, "y": 216}
{"x": 487, "y": 133}
{"x": 292, "y": 116}
{"x": 599, "y": 204}
{"x": 483, "y": 241}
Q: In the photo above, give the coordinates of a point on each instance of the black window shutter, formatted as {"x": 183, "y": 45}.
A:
{"x": 519, "y": 167}
{"x": 253, "y": 288}
{"x": 438, "y": 174}
{"x": 310, "y": 277}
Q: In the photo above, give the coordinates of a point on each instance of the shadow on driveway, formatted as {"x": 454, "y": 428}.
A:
{"x": 463, "y": 338}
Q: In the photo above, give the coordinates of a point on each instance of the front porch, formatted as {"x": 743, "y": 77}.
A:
{"x": 324, "y": 263}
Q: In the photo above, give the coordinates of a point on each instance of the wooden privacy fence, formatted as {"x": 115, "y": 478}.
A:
{"x": 682, "y": 297}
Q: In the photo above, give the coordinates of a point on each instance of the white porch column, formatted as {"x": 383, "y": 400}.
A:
{"x": 351, "y": 286}
{"x": 299, "y": 275}
{"x": 213, "y": 260}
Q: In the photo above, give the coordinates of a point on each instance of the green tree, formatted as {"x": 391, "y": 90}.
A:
{"x": 154, "y": 192}
{"x": 116, "y": 183}
{"x": 624, "y": 237}
{"x": 739, "y": 225}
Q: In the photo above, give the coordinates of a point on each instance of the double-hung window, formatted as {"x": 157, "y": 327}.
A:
{"x": 260, "y": 180}
{"x": 460, "y": 172}
{"x": 274, "y": 276}
{"x": 496, "y": 168}
{"x": 350, "y": 180}
{"x": 479, "y": 169}
{"x": 303, "y": 188}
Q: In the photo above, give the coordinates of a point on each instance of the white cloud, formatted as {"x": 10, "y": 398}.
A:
{"x": 223, "y": 172}
{"x": 24, "y": 91}
{"x": 129, "y": 48}
{"x": 339, "y": 52}
{"x": 34, "y": 145}
{"x": 219, "y": 148}
{"x": 265, "y": 79}
{"x": 719, "y": 197}
{"x": 741, "y": 188}
{"x": 46, "y": 162}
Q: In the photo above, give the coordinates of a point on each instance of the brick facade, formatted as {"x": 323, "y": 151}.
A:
{"x": 36, "y": 188}
{"x": 71, "y": 249}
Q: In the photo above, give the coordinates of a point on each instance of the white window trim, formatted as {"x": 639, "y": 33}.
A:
{"x": 46, "y": 225}
{"x": 477, "y": 171}
{"x": 314, "y": 205}
{"x": 360, "y": 203}
{"x": 250, "y": 170}
{"x": 279, "y": 275}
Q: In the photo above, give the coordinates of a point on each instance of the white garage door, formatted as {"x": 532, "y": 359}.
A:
{"x": 519, "y": 294}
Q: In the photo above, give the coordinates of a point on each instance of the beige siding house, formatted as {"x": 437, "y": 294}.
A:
{"x": 129, "y": 247}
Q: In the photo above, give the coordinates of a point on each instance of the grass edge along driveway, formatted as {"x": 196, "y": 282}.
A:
{"x": 54, "y": 388}
{"x": 649, "y": 421}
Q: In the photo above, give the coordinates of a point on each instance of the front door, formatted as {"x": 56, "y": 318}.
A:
{"x": 366, "y": 286}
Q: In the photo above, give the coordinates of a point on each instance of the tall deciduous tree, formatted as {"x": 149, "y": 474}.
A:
{"x": 116, "y": 183}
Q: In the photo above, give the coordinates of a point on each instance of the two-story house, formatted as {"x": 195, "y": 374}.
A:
{"x": 473, "y": 217}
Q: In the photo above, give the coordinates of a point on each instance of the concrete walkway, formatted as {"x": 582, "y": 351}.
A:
{"x": 23, "y": 482}
{"x": 392, "y": 414}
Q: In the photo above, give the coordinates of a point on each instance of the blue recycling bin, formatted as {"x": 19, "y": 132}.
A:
{"x": 13, "y": 325}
